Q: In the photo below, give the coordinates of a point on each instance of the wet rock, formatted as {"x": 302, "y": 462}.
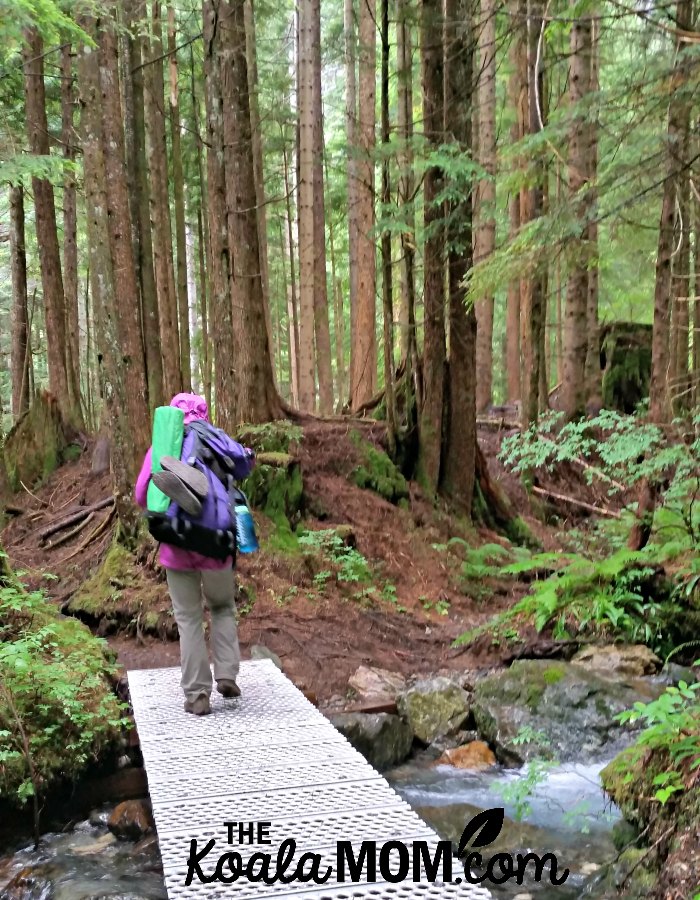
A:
{"x": 131, "y": 820}
{"x": 673, "y": 673}
{"x": 96, "y": 846}
{"x": 623, "y": 834}
{"x": 475, "y": 755}
{"x": 636, "y": 660}
{"x": 434, "y": 708}
{"x": 379, "y": 685}
{"x": 148, "y": 846}
{"x": 30, "y": 883}
{"x": 384, "y": 740}
{"x": 542, "y": 708}
{"x": 260, "y": 651}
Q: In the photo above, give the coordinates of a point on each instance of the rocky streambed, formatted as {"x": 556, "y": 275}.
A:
{"x": 531, "y": 739}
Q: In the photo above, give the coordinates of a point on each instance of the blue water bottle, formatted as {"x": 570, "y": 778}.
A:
{"x": 246, "y": 538}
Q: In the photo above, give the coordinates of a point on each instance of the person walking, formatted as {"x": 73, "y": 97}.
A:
{"x": 191, "y": 574}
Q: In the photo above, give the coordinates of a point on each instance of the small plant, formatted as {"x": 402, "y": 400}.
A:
{"x": 441, "y": 607}
{"x": 351, "y": 565}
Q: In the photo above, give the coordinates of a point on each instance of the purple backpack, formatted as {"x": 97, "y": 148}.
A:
{"x": 223, "y": 461}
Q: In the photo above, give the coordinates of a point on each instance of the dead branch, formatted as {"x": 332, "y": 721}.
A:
{"x": 75, "y": 517}
{"x": 600, "y": 510}
{"x": 72, "y": 533}
{"x": 95, "y": 533}
{"x": 38, "y": 499}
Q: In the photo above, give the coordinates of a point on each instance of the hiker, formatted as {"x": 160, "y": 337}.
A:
{"x": 189, "y": 573}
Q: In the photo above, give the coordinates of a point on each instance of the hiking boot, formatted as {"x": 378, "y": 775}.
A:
{"x": 198, "y": 707}
{"x": 195, "y": 480}
{"x": 177, "y": 490}
{"x": 227, "y": 687}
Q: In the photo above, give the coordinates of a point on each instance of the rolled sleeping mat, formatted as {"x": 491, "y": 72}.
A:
{"x": 168, "y": 432}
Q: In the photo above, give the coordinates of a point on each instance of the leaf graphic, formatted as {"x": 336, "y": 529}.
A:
{"x": 486, "y": 826}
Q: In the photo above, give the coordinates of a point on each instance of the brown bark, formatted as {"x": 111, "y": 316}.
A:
{"x": 352, "y": 173}
{"x": 70, "y": 228}
{"x": 291, "y": 288}
{"x": 517, "y": 93}
{"x": 337, "y": 297}
{"x": 575, "y": 329}
{"x": 305, "y": 203}
{"x": 20, "y": 322}
{"x": 460, "y": 449}
{"x": 594, "y": 376}
{"x": 433, "y": 253}
{"x": 46, "y": 231}
{"x": 130, "y": 348}
{"x": 659, "y": 400}
{"x": 160, "y": 213}
{"x": 179, "y": 197}
{"x": 485, "y": 197}
{"x": 364, "y": 355}
{"x": 256, "y": 126}
{"x": 255, "y": 395}
{"x": 321, "y": 324}
{"x": 221, "y": 306}
{"x": 135, "y": 13}
{"x": 532, "y": 298}
{"x": 387, "y": 285}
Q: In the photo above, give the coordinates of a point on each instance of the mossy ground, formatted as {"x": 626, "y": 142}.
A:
{"x": 37, "y": 445}
{"x": 378, "y": 473}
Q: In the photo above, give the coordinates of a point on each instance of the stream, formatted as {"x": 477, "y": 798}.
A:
{"x": 569, "y": 817}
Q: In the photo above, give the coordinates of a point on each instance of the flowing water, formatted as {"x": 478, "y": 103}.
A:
{"x": 569, "y": 817}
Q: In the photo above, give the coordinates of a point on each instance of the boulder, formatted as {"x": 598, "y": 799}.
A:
{"x": 260, "y": 651}
{"x": 475, "y": 755}
{"x": 542, "y": 708}
{"x": 131, "y": 820}
{"x": 434, "y": 708}
{"x": 384, "y": 740}
{"x": 380, "y": 685}
{"x": 636, "y": 660}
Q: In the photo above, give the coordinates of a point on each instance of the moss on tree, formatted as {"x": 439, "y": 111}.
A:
{"x": 378, "y": 473}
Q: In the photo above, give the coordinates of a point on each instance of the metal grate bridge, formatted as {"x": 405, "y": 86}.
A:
{"x": 268, "y": 756}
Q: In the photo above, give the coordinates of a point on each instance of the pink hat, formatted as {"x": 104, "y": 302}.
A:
{"x": 193, "y": 406}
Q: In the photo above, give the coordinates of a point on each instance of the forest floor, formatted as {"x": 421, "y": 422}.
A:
{"x": 322, "y": 628}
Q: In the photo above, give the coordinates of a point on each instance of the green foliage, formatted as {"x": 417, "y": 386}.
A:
{"x": 271, "y": 437}
{"x": 350, "y": 565}
{"x": 57, "y": 711}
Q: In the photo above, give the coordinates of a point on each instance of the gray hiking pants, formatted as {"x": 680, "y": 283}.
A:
{"x": 186, "y": 589}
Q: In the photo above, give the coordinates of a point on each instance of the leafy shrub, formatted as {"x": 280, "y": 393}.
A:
{"x": 351, "y": 565}
{"x": 57, "y": 711}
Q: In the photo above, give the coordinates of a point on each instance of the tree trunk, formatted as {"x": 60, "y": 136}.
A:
{"x": 179, "y": 197}
{"x": 20, "y": 323}
{"x": 352, "y": 172}
{"x": 307, "y": 393}
{"x": 517, "y": 96}
{"x": 291, "y": 288}
{"x": 387, "y": 286}
{"x": 594, "y": 376}
{"x": 130, "y": 348}
{"x": 404, "y": 75}
{"x": 337, "y": 295}
{"x": 433, "y": 253}
{"x": 659, "y": 399}
{"x": 576, "y": 310}
{"x": 46, "y": 231}
{"x": 460, "y": 449}
{"x": 135, "y": 14}
{"x": 104, "y": 297}
{"x": 256, "y": 126}
{"x": 70, "y": 232}
{"x": 160, "y": 214}
{"x": 364, "y": 365}
{"x": 221, "y": 306}
{"x": 532, "y": 310}
{"x": 321, "y": 325}
{"x": 484, "y": 209}
{"x": 255, "y": 395}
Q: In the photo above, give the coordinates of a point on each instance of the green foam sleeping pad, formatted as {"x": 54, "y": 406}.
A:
{"x": 168, "y": 431}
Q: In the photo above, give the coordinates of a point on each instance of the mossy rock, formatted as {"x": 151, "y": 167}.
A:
{"x": 378, "y": 473}
{"x": 37, "y": 444}
{"x": 271, "y": 437}
{"x": 276, "y": 488}
{"x": 117, "y": 596}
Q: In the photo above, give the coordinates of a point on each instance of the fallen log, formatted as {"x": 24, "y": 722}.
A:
{"x": 75, "y": 517}
{"x": 600, "y": 510}
{"x": 72, "y": 533}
